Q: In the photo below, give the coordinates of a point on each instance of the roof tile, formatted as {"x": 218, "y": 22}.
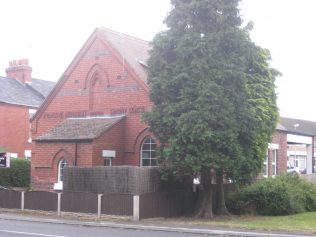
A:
{"x": 80, "y": 128}
{"x": 14, "y": 92}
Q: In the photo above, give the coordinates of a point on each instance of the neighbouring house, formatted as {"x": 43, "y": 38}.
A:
{"x": 20, "y": 97}
{"x": 292, "y": 146}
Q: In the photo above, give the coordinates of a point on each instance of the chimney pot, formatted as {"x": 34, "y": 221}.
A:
{"x": 20, "y": 70}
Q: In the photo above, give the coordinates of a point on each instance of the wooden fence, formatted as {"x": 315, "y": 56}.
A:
{"x": 167, "y": 204}
{"x": 148, "y": 205}
{"x": 79, "y": 202}
{"x": 10, "y": 199}
{"x": 39, "y": 200}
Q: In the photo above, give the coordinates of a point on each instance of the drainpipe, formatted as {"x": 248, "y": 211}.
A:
{"x": 76, "y": 153}
{"x": 313, "y": 161}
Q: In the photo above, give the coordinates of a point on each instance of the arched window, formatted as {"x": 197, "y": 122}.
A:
{"x": 148, "y": 152}
{"x": 61, "y": 167}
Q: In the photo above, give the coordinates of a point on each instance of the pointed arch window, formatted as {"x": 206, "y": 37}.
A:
{"x": 148, "y": 152}
{"x": 61, "y": 168}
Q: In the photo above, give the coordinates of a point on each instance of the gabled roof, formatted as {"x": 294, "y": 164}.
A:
{"x": 14, "y": 92}
{"x": 76, "y": 129}
{"x": 133, "y": 50}
{"x": 302, "y": 127}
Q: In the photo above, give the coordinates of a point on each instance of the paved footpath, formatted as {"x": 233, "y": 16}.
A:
{"x": 153, "y": 226}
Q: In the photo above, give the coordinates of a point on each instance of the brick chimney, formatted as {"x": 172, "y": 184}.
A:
{"x": 20, "y": 70}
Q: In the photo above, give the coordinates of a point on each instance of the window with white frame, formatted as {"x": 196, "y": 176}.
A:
{"x": 265, "y": 167}
{"x": 148, "y": 152}
{"x": 61, "y": 168}
{"x": 274, "y": 158}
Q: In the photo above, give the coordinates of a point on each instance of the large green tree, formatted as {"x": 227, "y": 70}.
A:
{"x": 214, "y": 96}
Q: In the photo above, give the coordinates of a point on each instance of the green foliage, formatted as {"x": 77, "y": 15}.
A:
{"x": 283, "y": 195}
{"x": 4, "y": 177}
{"x": 18, "y": 175}
{"x": 213, "y": 92}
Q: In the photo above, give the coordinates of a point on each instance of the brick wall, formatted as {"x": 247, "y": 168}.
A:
{"x": 14, "y": 128}
{"x": 279, "y": 138}
{"x": 110, "y": 140}
{"x": 44, "y": 172}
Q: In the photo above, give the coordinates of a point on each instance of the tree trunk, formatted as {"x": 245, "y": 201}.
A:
{"x": 221, "y": 206}
{"x": 204, "y": 205}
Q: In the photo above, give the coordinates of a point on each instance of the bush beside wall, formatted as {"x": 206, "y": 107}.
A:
{"x": 18, "y": 175}
{"x": 282, "y": 195}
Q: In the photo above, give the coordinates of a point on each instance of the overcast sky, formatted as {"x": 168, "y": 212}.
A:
{"x": 50, "y": 33}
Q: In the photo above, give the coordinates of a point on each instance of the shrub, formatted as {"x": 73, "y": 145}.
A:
{"x": 18, "y": 175}
{"x": 4, "y": 177}
{"x": 283, "y": 195}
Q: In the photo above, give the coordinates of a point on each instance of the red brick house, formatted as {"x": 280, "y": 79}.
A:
{"x": 20, "y": 97}
{"x": 292, "y": 145}
{"x": 93, "y": 115}
{"x": 276, "y": 161}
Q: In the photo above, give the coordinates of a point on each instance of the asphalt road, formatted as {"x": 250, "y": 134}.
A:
{"x": 17, "y": 228}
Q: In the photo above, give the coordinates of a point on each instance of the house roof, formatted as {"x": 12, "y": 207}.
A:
{"x": 87, "y": 128}
{"x": 43, "y": 87}
{"x": 133, "y": 50}
{"x": 303, "y": 127}
{"x": 14, "y": 92}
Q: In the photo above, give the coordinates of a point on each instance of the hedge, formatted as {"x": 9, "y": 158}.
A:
{"x": 282, "y": 195}
{"x": 18, "y": 175}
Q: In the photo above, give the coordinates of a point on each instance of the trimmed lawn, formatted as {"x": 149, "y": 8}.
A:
{"x": 304, "y": 222}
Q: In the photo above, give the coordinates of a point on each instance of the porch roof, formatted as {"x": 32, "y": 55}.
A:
{"x": 76, "y": 129}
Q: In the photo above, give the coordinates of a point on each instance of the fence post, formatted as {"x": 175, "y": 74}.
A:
{"x": 136, "y": 207}
{"x": 22, "y": 201}
{"x": 99, "y": 205}
{"x": 59, "y": 204}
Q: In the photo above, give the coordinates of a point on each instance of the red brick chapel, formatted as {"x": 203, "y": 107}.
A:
{"x": 92, "y": 117}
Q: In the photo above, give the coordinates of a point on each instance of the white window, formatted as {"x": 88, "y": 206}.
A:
{"x": 148, "y": 152}
{"x": 31, "y": 112}
{"x": 274, "y": 159}
{"x": 108, "y": 161}
{"x": 28, "y": 154}
{"x": 61, "y": 167}
{"x": 13, "y": 155}
{"x": 265, "y": 167}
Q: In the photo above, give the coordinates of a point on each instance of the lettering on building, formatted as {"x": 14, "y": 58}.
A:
{"x": 107, "y": 89}
{"x": 76, "y": 114}
{"x": 84, "y": 113}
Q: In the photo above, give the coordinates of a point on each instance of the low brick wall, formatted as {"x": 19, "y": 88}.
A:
{"x": 120, "y": 179}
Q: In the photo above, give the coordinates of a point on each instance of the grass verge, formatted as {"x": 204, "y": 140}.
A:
{"x": 299, "y": 223}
